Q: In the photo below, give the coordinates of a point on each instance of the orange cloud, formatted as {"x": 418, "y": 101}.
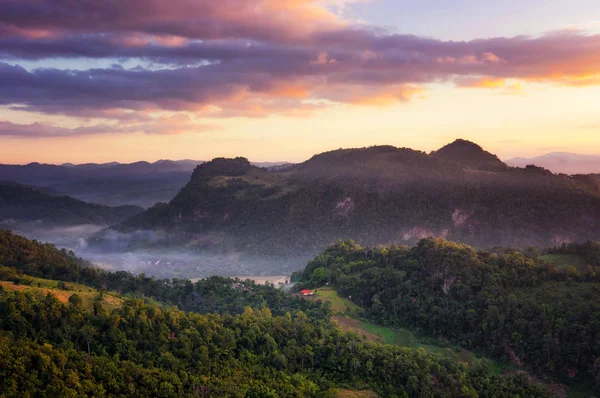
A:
{"x": 506, "y": 86}
{"x": 291, "y": 91}
{"x": 583, "y": 80}
{"x": 372, "y": 95}
{"x": 29, "y": 33}
{"x": 483, "y": 82}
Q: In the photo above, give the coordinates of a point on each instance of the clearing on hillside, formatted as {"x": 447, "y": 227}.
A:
{"x": 354, "y": 325}
{"x": 341, "y": 393}
{"x": 44, "y": 286}
{"x": 564, "y": 260}
{"x": 338, "y": 304}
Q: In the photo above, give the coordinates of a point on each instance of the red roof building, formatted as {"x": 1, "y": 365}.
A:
{"x": 306, "y": 292}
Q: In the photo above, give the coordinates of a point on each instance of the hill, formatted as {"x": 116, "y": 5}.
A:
{"x": 536, "y": 310}
{"x": 21, "y": 204}
{"x": 561, "y": 162}
{"x": 144, "y": 347}
{"x": 470, "y": 155}
{"x": 374, "y": 195}
{"x": 46, "y": 190}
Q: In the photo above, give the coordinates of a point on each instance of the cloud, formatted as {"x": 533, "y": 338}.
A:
{"x": 173, "y": 124}
{"x": 251, "y": 58}
{"x": 480, "y": 82}
{"x": 272, "y": 20}
{"x": 226, "y": 73}
{"x": 503, "y": 86}
{"x": 40, "y": 130}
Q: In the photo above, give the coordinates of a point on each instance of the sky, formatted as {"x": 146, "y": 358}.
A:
{"x": 281, "y": 80}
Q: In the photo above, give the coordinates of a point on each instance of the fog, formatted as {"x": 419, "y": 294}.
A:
{"x": 111, "y": 255}
{"x": 73, "y": 237}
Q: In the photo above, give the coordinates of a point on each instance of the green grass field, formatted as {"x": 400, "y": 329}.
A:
{"x": 406, "y": 338}
{"x": 348, "y": 314}
{"x": 564, "y": 260}
{"x": 338, "y": 304}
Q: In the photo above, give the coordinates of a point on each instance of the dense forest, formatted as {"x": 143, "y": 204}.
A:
{"x": 515, "y": 306}
{"x": 376, "y": 195}
{"x": 143, "y": 347}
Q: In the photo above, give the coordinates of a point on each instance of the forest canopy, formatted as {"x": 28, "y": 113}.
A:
{"x": 145, "y": 346}
{"x": 512, "y": 305}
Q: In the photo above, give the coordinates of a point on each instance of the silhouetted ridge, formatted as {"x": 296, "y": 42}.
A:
{"x": 470, "y": 155}
{"x": 345, "y": 156}
{"x": 22, "y": 204}
{"x": 377, "y": 162}
{"x": 223, "y": 167}
{"x": 532, "y": 168}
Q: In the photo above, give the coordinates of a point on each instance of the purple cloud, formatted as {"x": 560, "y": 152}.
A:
{"x": 251, "y": 58}
{"x": 175, "y": 124}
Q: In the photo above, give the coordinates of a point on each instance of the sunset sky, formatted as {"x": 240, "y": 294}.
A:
{"x": 128, "y": 80}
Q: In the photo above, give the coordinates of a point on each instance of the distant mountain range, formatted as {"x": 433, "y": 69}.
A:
{"x": 25, "y": 206}
{"x": 113, "y": 184}
{"x": 374, "y": 195}
{"x": 561, "y": 162}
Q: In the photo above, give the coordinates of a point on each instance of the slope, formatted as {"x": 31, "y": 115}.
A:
{"x": 144, "y": 348}
{"x": 513, "y": 306}
{"x": 470, "y": 155}
{"x": 20, "y": 204}
{"x": 374, "y": 195}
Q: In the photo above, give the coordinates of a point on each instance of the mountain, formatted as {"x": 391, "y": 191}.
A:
{"x": 112, "y": 184}
{"x": 46, "y": 190}
{"x": 561, "y": 162}
{"x": 374, "y": 195}
{"x": 21, "y": 204}
{"x": 470, "y": 156}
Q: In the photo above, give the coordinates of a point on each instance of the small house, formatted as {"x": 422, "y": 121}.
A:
{"x": 307, "y": 292}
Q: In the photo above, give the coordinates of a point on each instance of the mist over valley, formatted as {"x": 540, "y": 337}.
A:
{"x": 234, "y": 218}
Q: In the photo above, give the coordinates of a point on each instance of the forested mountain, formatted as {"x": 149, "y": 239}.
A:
{"x": 112, "y": 184}
{"x": 66, "y": 345}
{"x": 374, "y": 195}
{"x": 21, "y": 204}
{"x": 538, "y": 310}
